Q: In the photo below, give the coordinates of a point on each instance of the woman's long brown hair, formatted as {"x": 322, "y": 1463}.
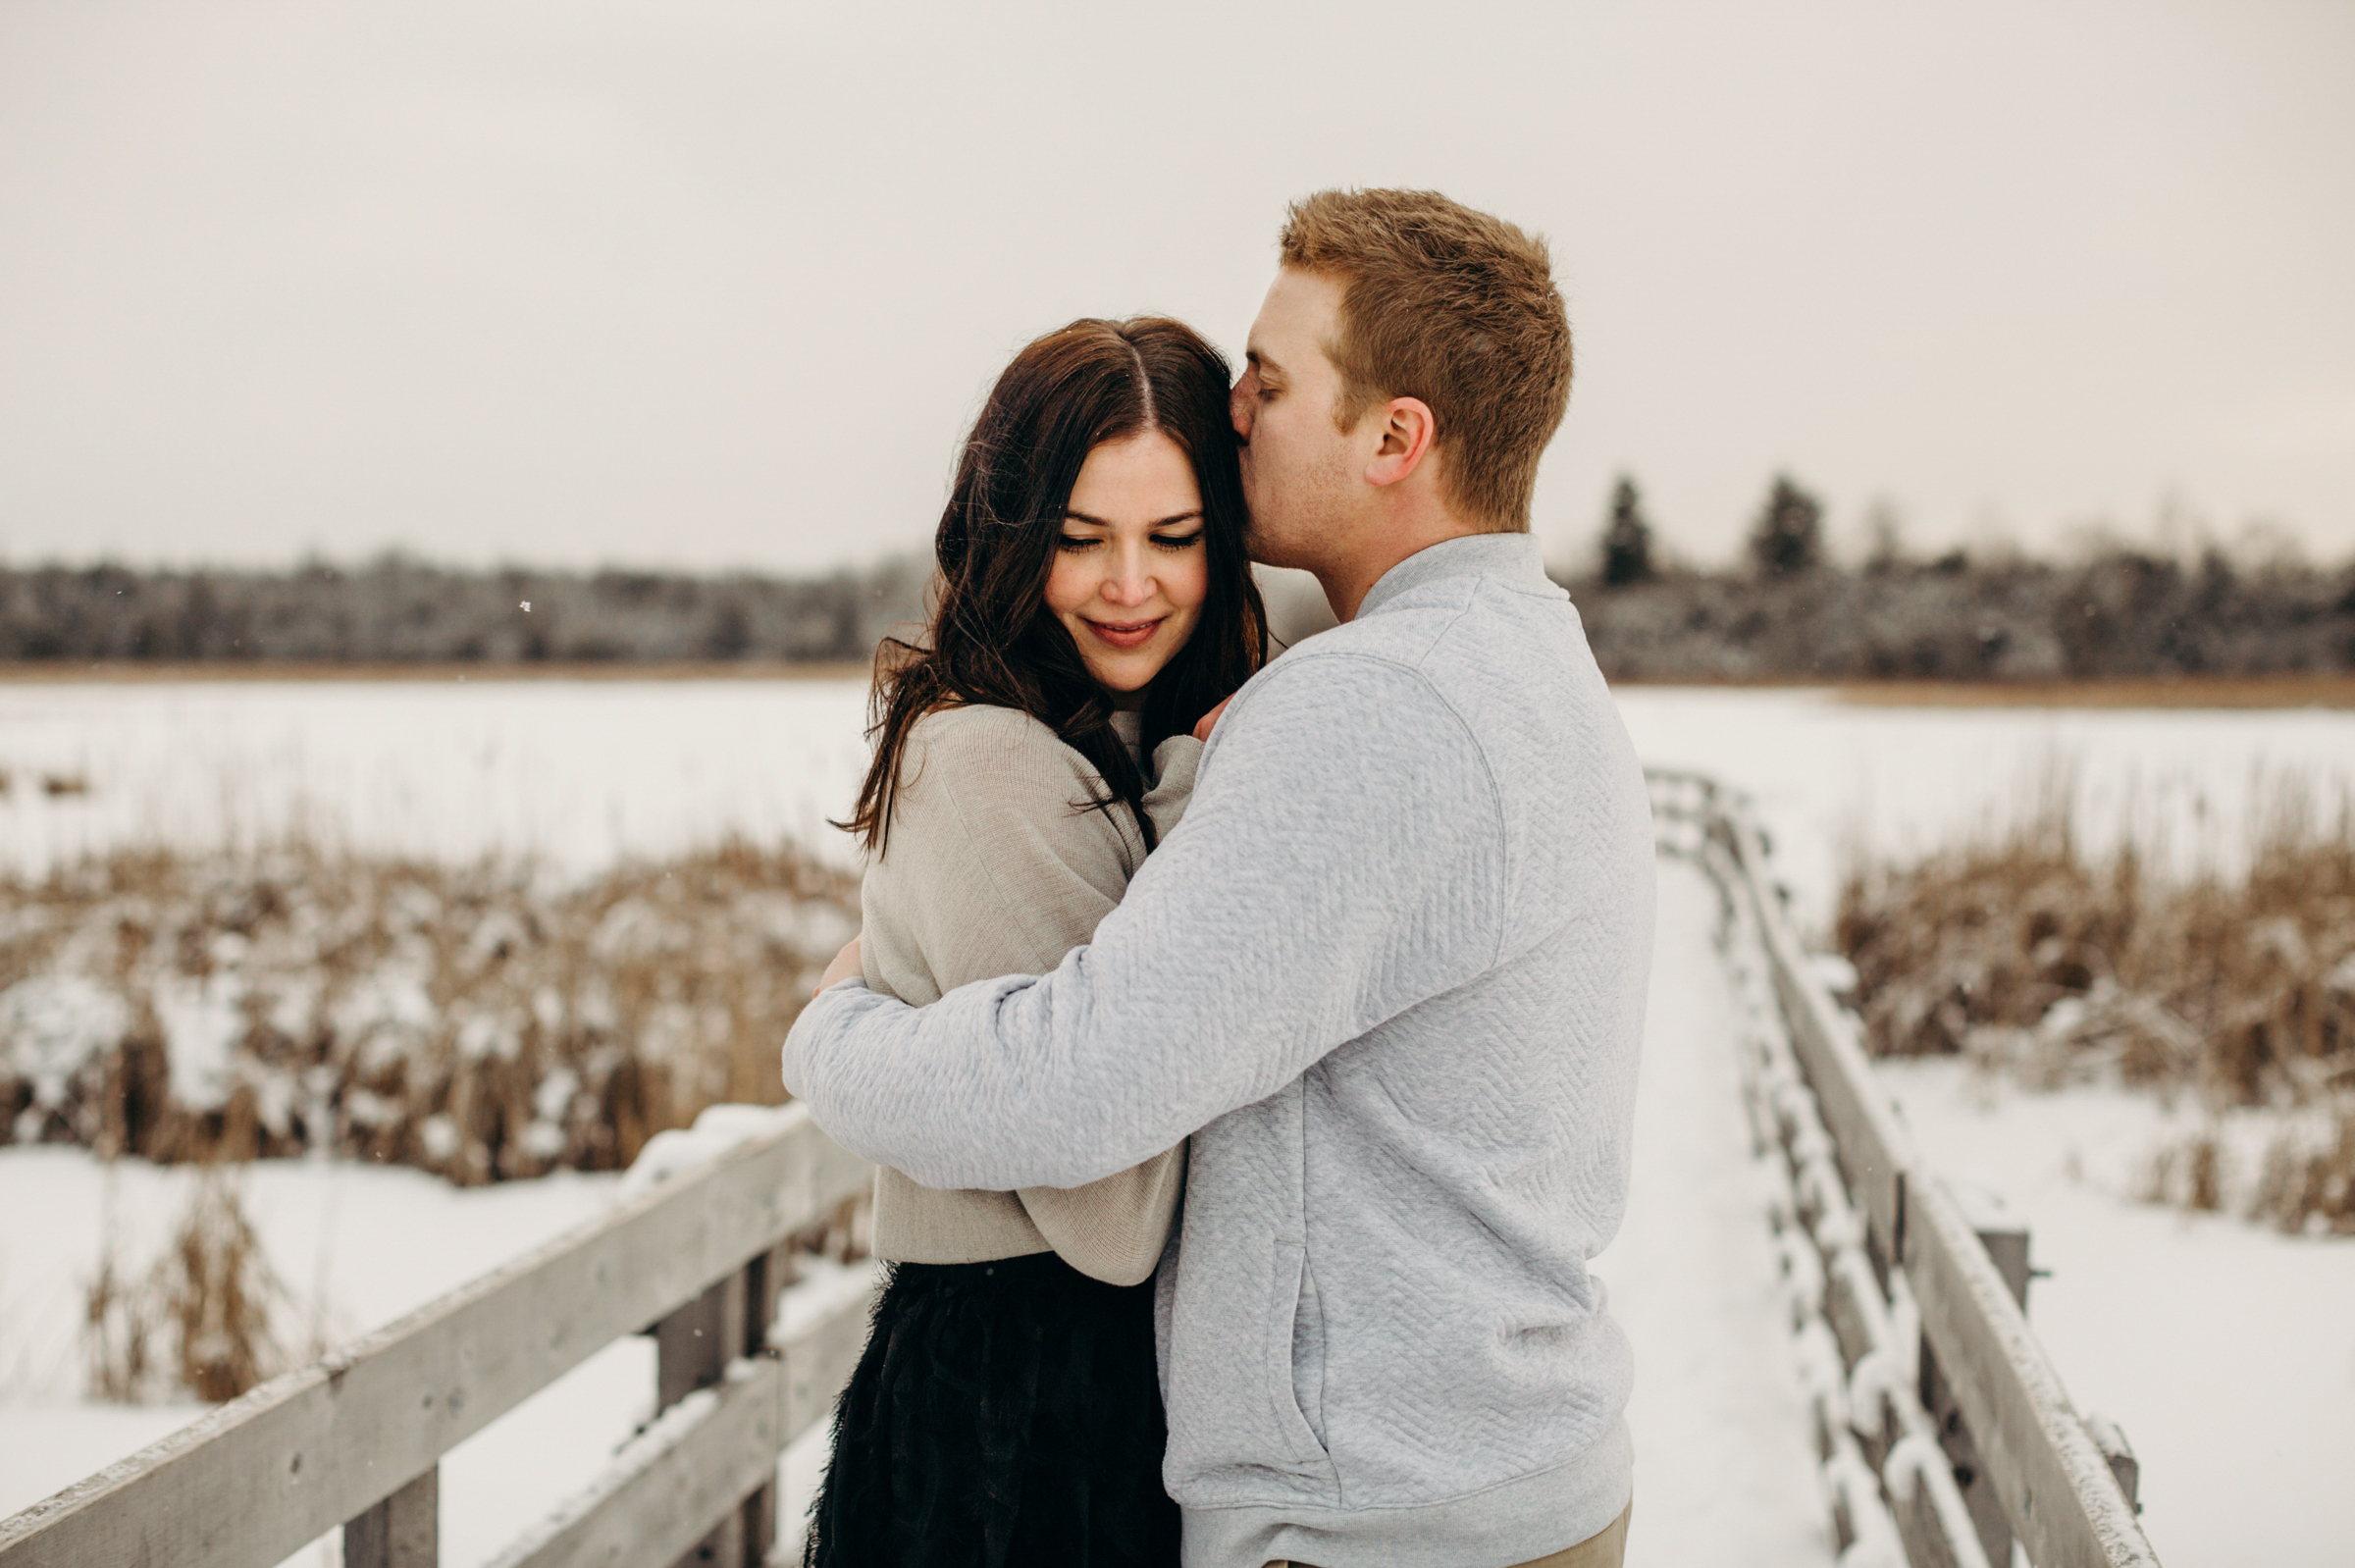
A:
{"x": 991, "y": 639}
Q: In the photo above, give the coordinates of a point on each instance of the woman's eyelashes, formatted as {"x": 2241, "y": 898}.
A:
{"x": 1077, "y": 543}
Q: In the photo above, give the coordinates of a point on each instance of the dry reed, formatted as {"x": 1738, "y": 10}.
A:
{"x": 199, "y": 1323}
{"x": 475, "y": 1021}
{"x": 2054, "y": 966}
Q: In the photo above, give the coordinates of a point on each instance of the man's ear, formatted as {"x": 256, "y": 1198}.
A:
{"x": 1407, "y": 431}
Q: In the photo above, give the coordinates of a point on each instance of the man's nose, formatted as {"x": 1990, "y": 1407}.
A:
{"x": 1239, "y": 410}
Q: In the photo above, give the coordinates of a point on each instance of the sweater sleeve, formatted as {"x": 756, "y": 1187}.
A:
{"x": 1174, "y": 761}
{"x": 1342, "y": 859}
{"x": 991, "y": 869}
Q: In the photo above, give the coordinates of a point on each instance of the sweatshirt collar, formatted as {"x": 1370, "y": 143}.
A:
{"x": 1508, "y": 555}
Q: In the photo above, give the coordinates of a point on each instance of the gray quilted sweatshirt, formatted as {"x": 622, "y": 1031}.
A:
{"x": 1391, "y": 967}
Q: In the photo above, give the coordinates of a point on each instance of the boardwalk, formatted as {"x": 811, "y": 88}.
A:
{"x": 1723, "y": 1469}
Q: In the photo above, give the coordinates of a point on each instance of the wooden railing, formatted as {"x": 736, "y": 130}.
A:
{"x": 1941, "y": 1428}
{"x": 356, "y": 1439}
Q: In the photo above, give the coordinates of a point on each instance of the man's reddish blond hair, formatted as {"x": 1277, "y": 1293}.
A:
{"x": 1456, "y": 308}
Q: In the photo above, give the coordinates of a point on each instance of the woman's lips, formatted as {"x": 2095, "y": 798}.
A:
{"x": 1125, "y": 634}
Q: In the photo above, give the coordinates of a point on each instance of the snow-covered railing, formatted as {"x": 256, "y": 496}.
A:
{"x": 356, "y": 1439}
{"x": 1943, "y": 1431}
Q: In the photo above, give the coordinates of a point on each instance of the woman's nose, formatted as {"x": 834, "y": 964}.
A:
{"x": 1129, "y": 582}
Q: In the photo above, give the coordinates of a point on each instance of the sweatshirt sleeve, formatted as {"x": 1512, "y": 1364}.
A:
{"x": 1342, "y": 859}
{"x": 990, "y": 868}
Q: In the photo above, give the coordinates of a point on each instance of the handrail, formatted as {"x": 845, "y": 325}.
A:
{"x": 356, "y": 1438}
{"x": 2060, "y": 1492}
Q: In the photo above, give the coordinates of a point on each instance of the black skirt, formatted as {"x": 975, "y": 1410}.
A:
{"x": 1004, "y": 1414}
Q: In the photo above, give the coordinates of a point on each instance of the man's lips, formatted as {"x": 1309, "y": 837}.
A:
{"x": 1125, "y": 634}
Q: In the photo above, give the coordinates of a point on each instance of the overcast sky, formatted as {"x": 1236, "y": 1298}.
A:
{"x": 718, "y": 283}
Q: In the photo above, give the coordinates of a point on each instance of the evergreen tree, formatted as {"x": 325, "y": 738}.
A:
{"x": 1627, "y": 539}
{"x": 1788, "y": 537}
{"x": 1885, "y": 539}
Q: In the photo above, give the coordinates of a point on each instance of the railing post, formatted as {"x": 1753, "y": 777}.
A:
{"x": 405, "y": 1531}
{"x": 764, "y": 1277}
{"x": 693, "y": 1347}
{"x": 2008, "y": 1248}
{"x": 2118, "y": 1454}
{"x": 694, "y": 1344}
{"x": 691, "y": 1350}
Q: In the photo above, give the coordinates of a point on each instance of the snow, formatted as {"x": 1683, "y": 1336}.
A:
{"x": 1830, "y": 776}
{"x": 51, "y": 1027}
{"x": 203, "y": 1020}
{"x": 678, "y": 1150}
{"x": 1724, "y": 1464}
{"x": 575, "y": 773}
{"x": 579, "y": 773}
{"x": 2225, "y": 1352}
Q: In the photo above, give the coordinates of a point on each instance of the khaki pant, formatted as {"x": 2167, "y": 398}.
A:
{"x": 1606, "y": 1550}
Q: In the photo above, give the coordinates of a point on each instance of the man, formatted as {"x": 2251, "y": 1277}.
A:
{"x": 1388, "y": 972}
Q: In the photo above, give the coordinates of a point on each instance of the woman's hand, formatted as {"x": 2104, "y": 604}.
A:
{"x": 1209, "y": 722}
{"x": 846, "y": 963}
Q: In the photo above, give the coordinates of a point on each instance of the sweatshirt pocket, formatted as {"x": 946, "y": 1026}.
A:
{"x": 1295, "y": 1358}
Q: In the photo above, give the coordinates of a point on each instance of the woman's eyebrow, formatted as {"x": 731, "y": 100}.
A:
{"x": 1175, "y": 517}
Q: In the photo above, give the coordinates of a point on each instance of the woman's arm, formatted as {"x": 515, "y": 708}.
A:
{"x": 989, "y": 870}
{"x": 1346, "y": 859}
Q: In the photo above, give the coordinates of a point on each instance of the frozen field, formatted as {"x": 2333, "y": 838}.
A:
{"x": 574, "y": 773}
{"x": 1831, "y": 776}
{"x": 578, "y": 773}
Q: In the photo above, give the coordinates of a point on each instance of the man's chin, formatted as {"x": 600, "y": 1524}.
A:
{"x": 1266, "y": 551}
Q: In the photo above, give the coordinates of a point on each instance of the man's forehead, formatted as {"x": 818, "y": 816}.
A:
{"x": 1297, "y": 316}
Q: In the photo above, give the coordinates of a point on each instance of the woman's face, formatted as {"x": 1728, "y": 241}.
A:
{"x": 1131, "y": 568}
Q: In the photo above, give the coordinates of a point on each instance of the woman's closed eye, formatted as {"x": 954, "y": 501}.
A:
{"x": 1078, "y": 544}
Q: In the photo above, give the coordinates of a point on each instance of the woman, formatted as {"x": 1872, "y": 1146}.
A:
{"x": 1094, "y": 601}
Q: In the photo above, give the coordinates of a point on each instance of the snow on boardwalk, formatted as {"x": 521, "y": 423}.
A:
{"x": 1725, "y": 1471}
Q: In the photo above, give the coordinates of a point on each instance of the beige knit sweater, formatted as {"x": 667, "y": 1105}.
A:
{"x": 990, "y": 870}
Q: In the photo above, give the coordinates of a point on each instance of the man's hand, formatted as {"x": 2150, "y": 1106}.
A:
{"x": 845, "y": 965}
{"x": 1210, "y": 720}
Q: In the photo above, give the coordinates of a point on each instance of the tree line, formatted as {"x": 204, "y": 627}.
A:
{"x": 1788, "y": 611}
{"x": 1791, "y": 612}
{"x": 399, "y": 610}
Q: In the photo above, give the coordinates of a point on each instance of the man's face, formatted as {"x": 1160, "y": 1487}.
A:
{"x": 1300, "y": 474}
